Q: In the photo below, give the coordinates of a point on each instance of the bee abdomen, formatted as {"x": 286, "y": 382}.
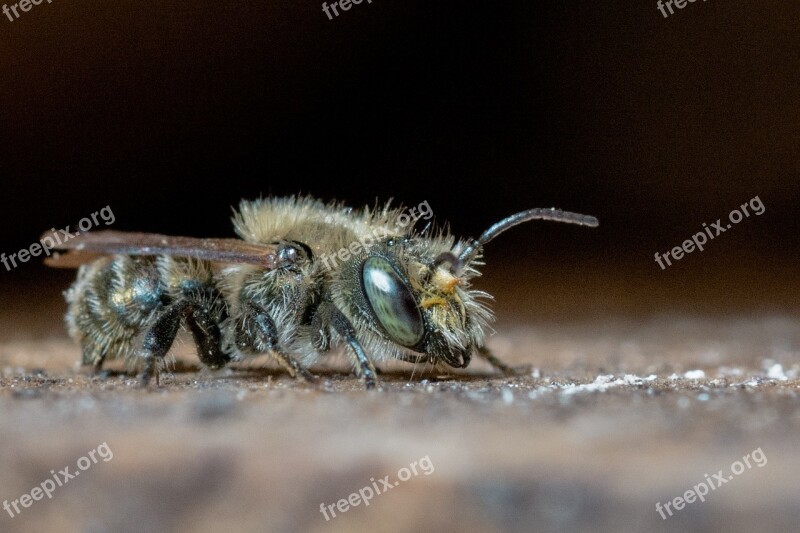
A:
{"x": 110, "y": 304}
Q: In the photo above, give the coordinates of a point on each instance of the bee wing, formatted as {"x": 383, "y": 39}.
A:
{"x": 71, "y": 259}
{"x": 88, "y": 246}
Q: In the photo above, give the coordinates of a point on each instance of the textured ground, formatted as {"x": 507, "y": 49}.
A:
{"x": 606, "y": 425}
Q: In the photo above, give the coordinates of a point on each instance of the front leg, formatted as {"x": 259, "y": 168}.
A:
{"x": 329, "y": 314}
{"x": 507, "y": 370}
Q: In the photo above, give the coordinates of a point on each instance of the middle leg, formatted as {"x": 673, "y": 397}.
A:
{"x": 256, "y": 332}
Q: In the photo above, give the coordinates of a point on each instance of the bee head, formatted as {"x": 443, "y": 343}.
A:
{"x": 416, "y": 292}
{"x": 423, "y": 310}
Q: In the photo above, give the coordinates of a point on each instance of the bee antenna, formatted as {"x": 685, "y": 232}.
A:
{"x": 556, "y": 215}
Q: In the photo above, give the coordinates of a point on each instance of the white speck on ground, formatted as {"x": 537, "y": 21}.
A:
{"x": 776, "y": 372}
{"x": 604, "y": 382}
{"x": 695, "y": 374}
{"x": 508, "y": 396}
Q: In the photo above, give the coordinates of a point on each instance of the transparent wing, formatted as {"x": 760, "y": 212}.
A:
{"x": 88, "y": 246}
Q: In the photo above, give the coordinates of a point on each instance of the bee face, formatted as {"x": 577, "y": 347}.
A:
{"x": 411, "y": 307}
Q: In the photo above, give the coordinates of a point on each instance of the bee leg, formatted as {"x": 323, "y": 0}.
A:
{"x": 97, "y": 368}
{"x": 159, "y": 339}
{"x": 294, "y": 368}
{"x": 322, "y": 338}
{"x": 364, "y": 367}
{"x": 90, "y": 357}
{"x": 322, "y": 342}
{"x": 150, "y": 369}
{"x": 265, "y": 339}
{"x": 507, "y": 370}
{"x": 207, "y": 337}
{"x": 93, "y": 356}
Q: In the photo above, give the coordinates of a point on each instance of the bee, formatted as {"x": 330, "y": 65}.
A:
{"x": 303, "y": 278}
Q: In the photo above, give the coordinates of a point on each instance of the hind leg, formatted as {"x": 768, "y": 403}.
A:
{"x": 205, "y": 328}
{"x": 161, "y": 335}
{"x": 158, "y": 340}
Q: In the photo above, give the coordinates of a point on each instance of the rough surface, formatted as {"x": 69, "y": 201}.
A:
{"x": 614, "y": 416}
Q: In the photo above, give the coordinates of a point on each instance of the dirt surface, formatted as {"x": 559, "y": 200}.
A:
{"x": 614, "y": 416}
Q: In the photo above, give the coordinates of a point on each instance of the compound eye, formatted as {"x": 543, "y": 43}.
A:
{"x": 392, "y": 302}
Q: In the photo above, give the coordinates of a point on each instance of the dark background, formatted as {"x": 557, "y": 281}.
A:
{"x": 172, "y": 111}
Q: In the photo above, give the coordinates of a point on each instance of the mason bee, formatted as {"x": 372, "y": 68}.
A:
{"x": 304, "y": 277}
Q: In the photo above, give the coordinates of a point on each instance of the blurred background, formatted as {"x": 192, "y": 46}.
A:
{"x": 172, "y": 112}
